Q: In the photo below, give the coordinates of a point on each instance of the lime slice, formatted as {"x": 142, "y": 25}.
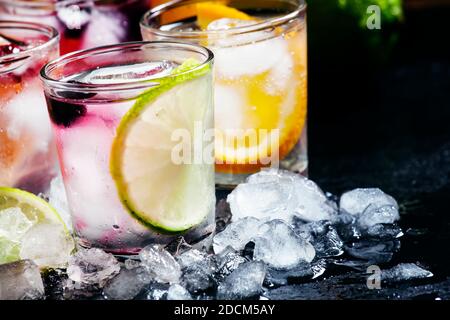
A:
{"x": 159, "y": 192}
{"x": 20, "y": 212}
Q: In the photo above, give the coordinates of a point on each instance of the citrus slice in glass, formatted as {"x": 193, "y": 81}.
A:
{"x": 208, "y": 12}
{"x": 155, "y": 187}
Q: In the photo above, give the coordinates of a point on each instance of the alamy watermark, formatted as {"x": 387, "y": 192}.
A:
{"x": 374, "y": 19}
{"x": 374, "y": 278}
{"x": 229, "y": 146}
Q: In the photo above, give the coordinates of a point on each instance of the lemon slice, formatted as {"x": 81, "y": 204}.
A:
{"x": 20, "y": 212}
{"x": 160, "y": 192}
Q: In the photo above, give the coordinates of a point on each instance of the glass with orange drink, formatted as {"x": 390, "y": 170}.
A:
{"x": 260, "y": 50}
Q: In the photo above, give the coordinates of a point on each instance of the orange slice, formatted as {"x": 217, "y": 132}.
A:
{"x": 260, "y": 113}
{"x": 207, "y": 12}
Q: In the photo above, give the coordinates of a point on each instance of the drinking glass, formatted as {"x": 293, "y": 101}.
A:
{"x": 27, "y": 150}
{"x": 82, "y": 24}
{"x": 260, "y": 53}
{"x": 119, "y": 114}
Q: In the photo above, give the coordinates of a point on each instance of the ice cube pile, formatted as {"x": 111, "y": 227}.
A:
{"x": 275, "y": 229}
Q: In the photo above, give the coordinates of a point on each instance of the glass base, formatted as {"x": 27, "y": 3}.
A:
{"x": 191, "y": 237}
{"x": 226, "y": 181}
{"x": 295, "y": 161}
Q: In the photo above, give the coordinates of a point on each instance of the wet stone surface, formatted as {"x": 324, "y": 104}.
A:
{"x": 388, "y": 131}
{"x": 294, "y": 258}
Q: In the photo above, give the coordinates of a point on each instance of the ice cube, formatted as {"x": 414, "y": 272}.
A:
{"x": 14, "y": 223}
{"x": 126, "y": 73}
{"x": 313, "y": 205}
{"x": 177, "y": 292}
{"x": 237, "y": 234}
{"x": 227, "y": 261}
{"x": 374, "y": 214}
{"x": 95, "y": 208}
{"x": 105, "y": 27}
{"x": 160, "y": 264}
{"x": 34, "y": 121}
{"x": 383, "y": 231}
{"x": 279, "y": 247}
{"x": 244, "y": 282}
{"x": 262, "y": 200}
{"x": 272, "y": 175}
{"x": 58, "y": 199}
{"x": 281, "y": 194}
{"x": 373, "y": 251}
{"x": 224, "y": 39}
{"x": 198, "y": 278}
{"x": 323, "y": 236}
{"x": 191, "y": 257}
{"x": 155, "y": 291}
{"x": 48, "y": 245}
{"x": 276, "y": 278}
{"x": 92, "y": 266}
{"x": 358, "y": 200}
{"x": 229, "y": 102}
{"x": 74, "y": 17}
{"x": 125, "y": 286}
{"x": 279, "y": 79}
{"x": 405, "y": 272}
{"x": 240, "y": 55}
{"x": 77, "y": 290}
{"x": 20, "y": 280}
{"x": 198, "y": 269}
{"x": 205, "y": 244}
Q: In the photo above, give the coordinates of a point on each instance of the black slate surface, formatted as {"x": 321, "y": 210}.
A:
{"x": 379, "y": 116}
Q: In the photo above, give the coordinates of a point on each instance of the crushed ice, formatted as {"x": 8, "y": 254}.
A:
{"x": 275, "y": 229}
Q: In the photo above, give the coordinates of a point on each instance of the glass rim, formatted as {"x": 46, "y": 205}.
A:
{"x": 22, "y": 55}
{"x": 118, "y": 86}
{"x": 52, "y": 5}
{"x": 152, "y": 14}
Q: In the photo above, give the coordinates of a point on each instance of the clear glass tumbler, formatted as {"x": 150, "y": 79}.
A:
{"x": 120, "y": 114}
{"x": 260, "y": 53}
{"x": 27, "y": 150}
{"x": 82, "y": 24}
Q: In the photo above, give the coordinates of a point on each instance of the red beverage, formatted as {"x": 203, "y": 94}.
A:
{"x": 27, "y": 152}
{"x": 82, "y": 24}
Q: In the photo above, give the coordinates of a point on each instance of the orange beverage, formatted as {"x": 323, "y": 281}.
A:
{"x": 260, "y": 53}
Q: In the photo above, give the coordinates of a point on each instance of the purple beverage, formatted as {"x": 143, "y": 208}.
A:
{"x": 115, "y": 111}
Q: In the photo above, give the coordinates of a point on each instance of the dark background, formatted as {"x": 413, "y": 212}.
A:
{"x": 379, "y": 116}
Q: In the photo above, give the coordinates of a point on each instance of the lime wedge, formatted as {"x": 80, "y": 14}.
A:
{"x": 20, "y": 213}
{"x": 159, "y": 192}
